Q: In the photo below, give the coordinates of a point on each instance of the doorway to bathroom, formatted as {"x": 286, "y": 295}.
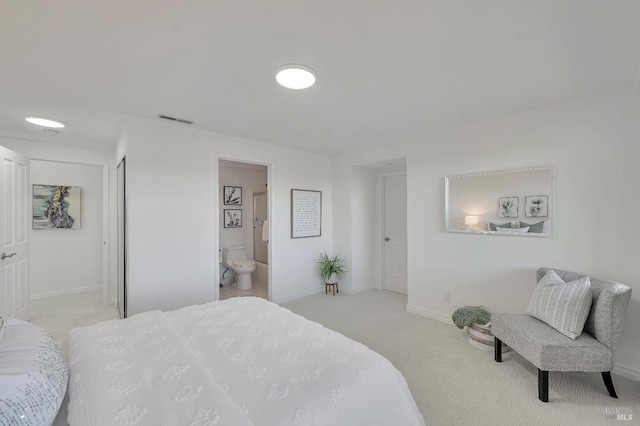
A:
{"x": 243, "y": 229}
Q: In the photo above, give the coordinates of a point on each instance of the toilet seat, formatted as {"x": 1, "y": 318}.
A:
{"x": 244, "y": 264}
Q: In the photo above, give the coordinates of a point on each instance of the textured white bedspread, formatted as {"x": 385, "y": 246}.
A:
{"x": 240, "y": 361}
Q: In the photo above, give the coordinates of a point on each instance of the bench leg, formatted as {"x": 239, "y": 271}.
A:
{"x": 497, "y": 349}
{"x": 543, "y": 385}
{"x": 606, "y": 376}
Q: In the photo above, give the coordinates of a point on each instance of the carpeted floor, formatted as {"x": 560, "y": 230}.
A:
{"x": 455, "y": 383}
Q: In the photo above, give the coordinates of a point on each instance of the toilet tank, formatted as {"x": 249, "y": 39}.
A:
{"x": 233, "y": 253}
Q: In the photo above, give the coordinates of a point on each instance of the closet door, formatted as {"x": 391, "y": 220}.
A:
{"x": 122, "y": 239}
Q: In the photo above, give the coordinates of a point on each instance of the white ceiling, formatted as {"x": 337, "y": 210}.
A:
{"x": 388, "y": 71}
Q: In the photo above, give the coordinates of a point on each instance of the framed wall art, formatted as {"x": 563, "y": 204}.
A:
{"x": 536, "y": 206}
{"x": 233, "y": 218}
{"x": 56, "y": 207}
{"x": 232, "y": 196}
{"x": 306, "y": 213}
{"x": 508, "y": 207}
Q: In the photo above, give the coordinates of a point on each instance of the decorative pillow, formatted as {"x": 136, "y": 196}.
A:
{"x": 493, "y": 226}
{"x": 536, "y": 227}
{"x": 513, "y": 230}
{"x": 564, "y": 306}
{"x": 33, "y": 375}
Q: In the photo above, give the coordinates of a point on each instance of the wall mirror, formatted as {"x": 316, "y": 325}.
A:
{"x": 504, "y": 202}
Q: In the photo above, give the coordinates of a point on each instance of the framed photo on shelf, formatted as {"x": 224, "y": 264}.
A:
{"x": 232, "y": 196}
{"x": 508, "y": 207}
{"x": 233, "y": 218}
{"x": 536, "y": 206}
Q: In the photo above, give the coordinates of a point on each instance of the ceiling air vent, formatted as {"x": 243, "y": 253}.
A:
{"x": 174, "y": 119}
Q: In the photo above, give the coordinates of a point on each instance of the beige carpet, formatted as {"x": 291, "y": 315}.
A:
{"x": 455, "y": 383}
{"x": 59, "y": 314}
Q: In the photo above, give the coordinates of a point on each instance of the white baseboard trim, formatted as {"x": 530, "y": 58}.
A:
{"x": 297, "y": 296}
{"x": 63, "y": 292}
{"x": 626, "y": 372}
{"x": 349, "y": 290}
{"x": 430, "y": 314}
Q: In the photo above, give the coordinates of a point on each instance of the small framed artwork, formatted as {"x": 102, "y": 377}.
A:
{"x": 233, "y": 218}
{"x": 508, "y": 207}
{"x": 232, "y": 195}
{"x": 536, "y": 206}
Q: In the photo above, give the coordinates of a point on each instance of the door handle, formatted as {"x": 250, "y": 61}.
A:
{"x": 387, "y": 239}
{"x": 4, "y": 255}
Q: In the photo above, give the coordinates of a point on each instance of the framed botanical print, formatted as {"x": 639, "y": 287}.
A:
{"x": 508, "y": 207}
{"x": 232, "y": 196}
{"x": 233, "y": 218}
{"x": 536, "y": 206}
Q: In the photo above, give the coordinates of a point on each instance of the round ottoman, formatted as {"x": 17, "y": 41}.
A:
{"x": 33, "y": 374}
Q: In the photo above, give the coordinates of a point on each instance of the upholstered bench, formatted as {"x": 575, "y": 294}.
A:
{"x": 33, "y": 374}
{"x": 548, "y": 349}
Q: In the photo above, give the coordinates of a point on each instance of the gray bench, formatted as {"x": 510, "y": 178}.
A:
{"x": 550, "y": 350}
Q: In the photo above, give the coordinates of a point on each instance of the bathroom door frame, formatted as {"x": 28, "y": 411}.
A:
{"x": 253, "y": 217}
{"x": 216, "y": 214}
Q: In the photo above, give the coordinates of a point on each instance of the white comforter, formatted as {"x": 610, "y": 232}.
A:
{"x": 236, "y": 362}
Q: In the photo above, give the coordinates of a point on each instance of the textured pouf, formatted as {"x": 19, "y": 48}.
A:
{"x": 480, "y": 336}
{"x": 33, "y": 374}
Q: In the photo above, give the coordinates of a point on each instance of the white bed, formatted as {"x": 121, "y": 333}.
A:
{"x": 242, "y": 361}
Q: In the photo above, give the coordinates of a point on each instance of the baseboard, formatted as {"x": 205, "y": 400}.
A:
{"x": 430, "y": 314}
{"x": 297, "y": 296}
{"x": 349, "y": 290}
{"x": 64, "y": 292}
{"x": 626, "y": 372}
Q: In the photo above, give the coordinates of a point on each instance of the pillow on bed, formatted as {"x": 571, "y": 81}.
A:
{"x": 513, "y": 230}
{"x": 33, "y": 374}
{"x": 564, "y": 306}
{"x": 536, "y": 227}
{"x": 493, "y": 226}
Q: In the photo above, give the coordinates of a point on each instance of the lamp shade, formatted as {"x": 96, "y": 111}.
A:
{"x": 471, "y": 220}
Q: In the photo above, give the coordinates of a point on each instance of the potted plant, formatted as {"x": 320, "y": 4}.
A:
{"x": 332, "y": 269}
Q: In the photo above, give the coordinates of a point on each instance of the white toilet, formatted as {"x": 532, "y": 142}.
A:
{"x": 235, "y": 258}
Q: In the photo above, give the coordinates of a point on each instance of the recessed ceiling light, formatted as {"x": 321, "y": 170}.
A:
{"x": 45, "y": 122}
{"x": 295, "y": 76}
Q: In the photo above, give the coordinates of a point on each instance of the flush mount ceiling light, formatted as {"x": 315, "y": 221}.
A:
{"x": 295, "y": 76}
{"x": 47, "y": 122}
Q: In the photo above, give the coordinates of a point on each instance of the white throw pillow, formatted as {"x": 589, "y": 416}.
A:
{"x": 564, "y": 306}
{"x": 513, "y": 230}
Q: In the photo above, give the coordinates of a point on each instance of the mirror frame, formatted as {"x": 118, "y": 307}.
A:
{"x": 551, "y": 202}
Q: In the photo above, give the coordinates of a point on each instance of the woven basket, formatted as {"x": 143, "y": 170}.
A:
{"x": 480, "y": 336}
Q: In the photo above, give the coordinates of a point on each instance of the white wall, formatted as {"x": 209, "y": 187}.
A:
{"x": 104, "y": 159}
{"x": 173, "y": 202}
{"x": 67, "y": 261}
{"x": 251, "y": 181}
{"x": 593, "y": 145}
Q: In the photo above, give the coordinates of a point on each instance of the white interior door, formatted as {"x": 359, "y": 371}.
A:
{"x": 15, "y": 205}
{"x": 394, "y": 233}
{"x": 122, "y": 241}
